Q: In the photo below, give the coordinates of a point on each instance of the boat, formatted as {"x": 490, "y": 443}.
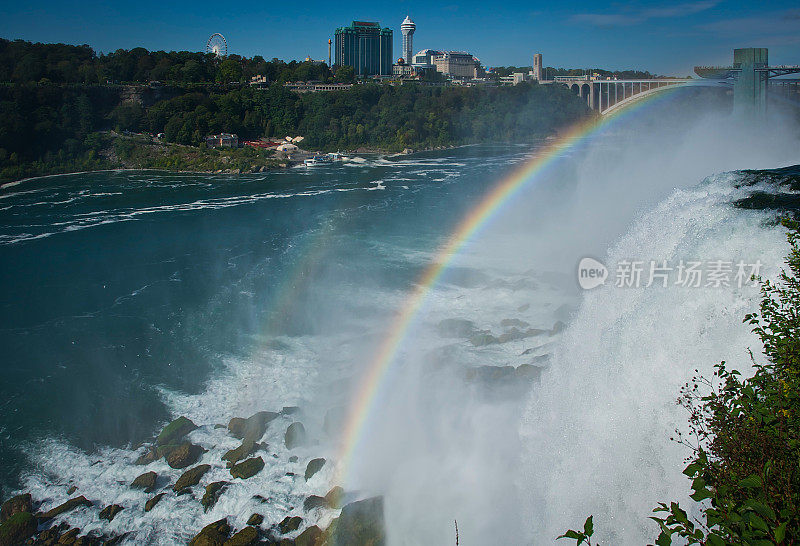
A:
{"x": 318, "y": 159}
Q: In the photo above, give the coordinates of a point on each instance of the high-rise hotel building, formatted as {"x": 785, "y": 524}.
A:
{"x": 366, "y": 47}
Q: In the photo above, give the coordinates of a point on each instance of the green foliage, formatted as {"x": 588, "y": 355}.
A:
{"x": 581, "y": 536}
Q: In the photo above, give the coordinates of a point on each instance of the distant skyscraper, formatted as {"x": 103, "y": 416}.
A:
{"x": 366, "y": 47}
{"x": 407, "y": 28}
{"x": 537, "y": 66}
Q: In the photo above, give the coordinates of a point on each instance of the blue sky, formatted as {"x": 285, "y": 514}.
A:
{"x": 663, "y": 37}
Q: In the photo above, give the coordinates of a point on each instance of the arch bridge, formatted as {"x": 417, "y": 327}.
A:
{"x": 607, "y": 95}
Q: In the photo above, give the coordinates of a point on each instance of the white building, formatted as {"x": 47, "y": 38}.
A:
{"x": 407, "y": 28}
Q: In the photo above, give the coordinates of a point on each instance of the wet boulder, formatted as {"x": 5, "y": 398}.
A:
{"x": 513, "y": 323}
{"x": 312, "y": 536}
{"x": 334, "y": 497}
{"x": 253, "y": 427}
{"x": 110, "y": 511}
{"x": 235, "y": 455}
{"x": 247, "y": 469}
{"x": 146, "y": 481}
{"x": 314, "y": 466}
{"x": 360, "y": 522}
{"x": 255, "y": 519}
{"x": 151, "y": 503}
{"x": 213, "y": 534}
{"x": 15, "y": 505}
{"x": 175, "y": 431}
{"x": 290, "y": 524}
{"x": 71, "y": 504}
{"x": 295, "y": 435}
{"x": 456, "y": 328}
{"x": 191, "y": 477}
{"x": 17, "y": 529}
{"x": 211, "y": 495}
{"x": 184, "y": 455}
{"x": 483, "y": 338}
{"x": 245, "y": 537}
{"x": 314, "y": 501}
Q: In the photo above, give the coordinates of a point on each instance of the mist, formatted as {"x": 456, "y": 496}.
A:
{"x": 520, "y": 462}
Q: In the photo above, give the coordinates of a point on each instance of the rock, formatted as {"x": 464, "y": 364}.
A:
{"x": 456, "y": 328}
{"x": 69, "y": 537}
{"x": 213, "y": 534}
{"x": 17, "y": 529}
{"x": 15, "y": 505}
{"x": 334, "y": 420}
{"x": 146, "y": 481}
{"x": 191, "y": 477}
{"x": 524, "y": 307}
{"x": 151, "y": 503}
{"x": 248, "y": 468}
{"x": 175, "y": 431}
{"x": 295, "y": 435}
{"x": 334, "y": 497}
{"x": 110, "y": 511}
{"x": 528, "y": 372}
{"x": 557, "y": 327}
{"x": 71, "y": 490}
{"x": 359, "y": 523}
{"x": 245, "y": 537}
{"x": 213, "y": 491}
{"x": 253, "y": 427}
{"x": 290, "y": 524}
{"x": 483, "y": 338}
{"x": 314, "y": 501}
{"x": 513, "y": 323}
{"x": 255, "y": 519}
{"x": 314, "y": 466}
{"x": 184, "y": 455}
{"x": 294, "y": 459}
{"x": 312, "y": 536}
{"x": 237, "y": 454}
{"x": 290, "y": 410}
{"x": 71, "y": 504}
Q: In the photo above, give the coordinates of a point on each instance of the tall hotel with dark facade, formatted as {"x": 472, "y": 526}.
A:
{"x": 366, "y": 47}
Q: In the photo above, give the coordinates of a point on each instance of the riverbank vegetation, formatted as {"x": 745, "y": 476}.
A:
{"x": 55, "y": 100}
{"x": 744, "y": 435}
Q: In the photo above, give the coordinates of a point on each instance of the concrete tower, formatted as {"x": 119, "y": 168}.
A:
{"x": 407, "y": 28}
{"x": 537, "y": 67}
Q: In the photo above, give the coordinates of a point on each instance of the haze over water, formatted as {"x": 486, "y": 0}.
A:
{"x": 135, "y": 297}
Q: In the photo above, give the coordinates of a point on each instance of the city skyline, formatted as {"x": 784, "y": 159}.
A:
{"x": 656, "y": 36}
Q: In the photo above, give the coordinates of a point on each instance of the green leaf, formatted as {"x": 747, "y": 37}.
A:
{"x": 780, "y": 532}
{"x": 588, "y": 527}
{"x": 574, "y": 535}
{"x": 752, "y": 482}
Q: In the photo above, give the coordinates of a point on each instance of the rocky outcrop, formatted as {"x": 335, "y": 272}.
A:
{"x": 255, "y": 519}
{"x": 295, "y": 435}
{"x": 210, "y": 497}
{"x": 17, "y": 529}
{"x": 290, "y": 524}
{"x": 191, "y": 477}
{"x": 235, "y": 455}
{"x": 151, "y": 503}
{"x": 360, "y": 522}
{"x": 184, "y": 455}
{"x": 314, "y": 466}
{"x": 15, "y": 505}
{"x": 110, "y": 511}
{"x": 456, "y": 328}
{"x": 213, "y": 534}
{"x": 174, "y": 432}
{"x": 247, "y": 469}
{"x": 314, "y": 501}
{"x": 334, "y": 497}
{"x": 71, "y": 504}
{"x": 312, "y": 536}
{"x": 245, "y": 537}
{"x": 146, "y": 481}
{"x": 253, "y": 427}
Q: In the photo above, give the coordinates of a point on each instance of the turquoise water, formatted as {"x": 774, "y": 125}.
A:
{"x": 118, "y": 284}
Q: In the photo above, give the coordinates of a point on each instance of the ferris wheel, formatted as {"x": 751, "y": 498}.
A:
{"x": 217, "y": 45}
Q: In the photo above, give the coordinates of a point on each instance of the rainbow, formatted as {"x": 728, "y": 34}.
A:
{"x": 370, "y": 385}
